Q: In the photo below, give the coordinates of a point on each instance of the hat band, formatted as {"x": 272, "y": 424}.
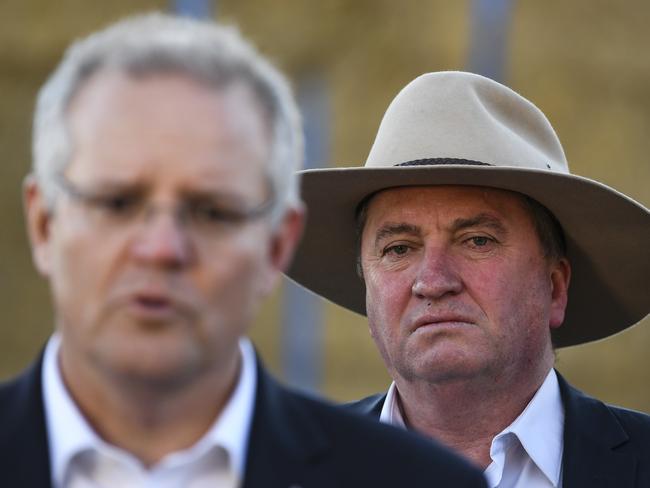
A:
{"x": 440, "y": 161}
{"x": 421, "y": 162}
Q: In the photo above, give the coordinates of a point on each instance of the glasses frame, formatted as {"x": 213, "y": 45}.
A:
{"x": 238, "y": 217}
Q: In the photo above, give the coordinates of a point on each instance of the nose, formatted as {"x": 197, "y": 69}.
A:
{"x": 162, "y": 241}
{"x": 437, "y": 276}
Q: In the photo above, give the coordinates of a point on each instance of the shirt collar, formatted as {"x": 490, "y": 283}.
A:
{"x": 232, "y": 427}
{"x": 70, "y": 434}
{"x": 539, "y": 427}
{"x": 391, "y": 412}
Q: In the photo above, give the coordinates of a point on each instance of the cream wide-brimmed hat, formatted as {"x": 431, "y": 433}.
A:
{"x": 456, "y": 128}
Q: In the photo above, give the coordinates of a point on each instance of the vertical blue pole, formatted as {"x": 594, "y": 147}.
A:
{"x": 302, "y": 326}
{"x": 490, "y": 23}
{"x": 198, "y": 9}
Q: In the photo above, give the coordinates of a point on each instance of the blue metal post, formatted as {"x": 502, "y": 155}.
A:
{"x": 490, "y": 23}
{"x": 302, "y": 326}
{"x": 198, "y": 9}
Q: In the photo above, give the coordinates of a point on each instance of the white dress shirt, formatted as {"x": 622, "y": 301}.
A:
{"x": 527, "y": 453}
{"x": 81, "y": 459}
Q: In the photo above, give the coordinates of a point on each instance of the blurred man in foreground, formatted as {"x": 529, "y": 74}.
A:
{"x": 162, "y": 209}
{"x": 466, "y": 229}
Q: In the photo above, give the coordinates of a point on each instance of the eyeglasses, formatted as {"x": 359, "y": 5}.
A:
{"x": 204, "y": 215}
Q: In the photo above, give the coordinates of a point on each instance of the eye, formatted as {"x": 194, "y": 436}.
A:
{"x": 480, "y": 242}
{"x": 118, "y": 204}
{"x": 396, "y": 250}
{"x": 211, "y": 213}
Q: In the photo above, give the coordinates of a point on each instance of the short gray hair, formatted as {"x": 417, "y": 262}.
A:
{"x": 160, "y": 43}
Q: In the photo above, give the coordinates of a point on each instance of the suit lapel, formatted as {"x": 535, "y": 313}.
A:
{"x": 284, "y": 440}
{"x": 591, "y": 433}
{"x": 24, "y": 453}
{"x": 371, "y": 405}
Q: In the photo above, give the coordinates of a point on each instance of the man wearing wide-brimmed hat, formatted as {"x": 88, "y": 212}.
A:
{"x": 474, "y": 252}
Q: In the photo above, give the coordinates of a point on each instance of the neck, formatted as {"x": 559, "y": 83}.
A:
{"x": 465, "y": 415}
{"x": 150, "y": 421}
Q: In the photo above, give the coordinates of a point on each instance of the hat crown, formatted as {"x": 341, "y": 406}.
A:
{"x": 462, "y": 115}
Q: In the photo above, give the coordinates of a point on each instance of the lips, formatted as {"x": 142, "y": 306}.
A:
{"x": 152, "y": 301}
{"x": 151, "y": 304}
{"x": 441, "y": 320}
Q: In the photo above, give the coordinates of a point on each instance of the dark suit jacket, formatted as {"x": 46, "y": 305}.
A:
{"x": 294, "y": 442}
{"x": 604, "y": 446}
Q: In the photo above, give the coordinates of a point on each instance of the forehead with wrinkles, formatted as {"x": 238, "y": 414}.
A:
{"x": 445, "y": 207}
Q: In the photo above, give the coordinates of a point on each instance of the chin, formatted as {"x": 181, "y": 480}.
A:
{"x": 147, "y": 361}
{"x": 441, "y": 365}
{"x": 156, "y": 376}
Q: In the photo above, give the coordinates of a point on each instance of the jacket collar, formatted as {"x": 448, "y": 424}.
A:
{"x": 371, "y": 405}
{"x": 23, "y": 438}
{"x": 592, "y": 434}
{"x": 284, "y": 439}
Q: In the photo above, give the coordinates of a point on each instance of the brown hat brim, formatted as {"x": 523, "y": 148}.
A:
{"x": 607, "y": 237}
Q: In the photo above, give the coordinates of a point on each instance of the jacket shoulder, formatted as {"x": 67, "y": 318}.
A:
{"x": 636, "y": 424}
{"x": 604, "y": 445}
{"x": 23, "y": 437}
{"x": 371, "y": 405}
{"x": 350, "y": 449}
{"x": 617, "y": 424}
{"x": 394, "y": 456}
{"x": 18, "y": 396}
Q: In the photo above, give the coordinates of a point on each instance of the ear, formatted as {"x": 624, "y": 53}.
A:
{"x": 560, "y": 278}
{"x": 38, "y": 218}
{"x": 284, "y": 241}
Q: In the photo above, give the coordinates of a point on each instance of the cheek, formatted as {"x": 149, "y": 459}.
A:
{"x": 234, "y": 278}
{"x": 77, "y": 261}
{"x": 514, "y": 301}
{"x": 387, "y": 292}
{"x": 498, "y": 284}
{"x": 80, "y": 271}
{"x": 387, "y": 299}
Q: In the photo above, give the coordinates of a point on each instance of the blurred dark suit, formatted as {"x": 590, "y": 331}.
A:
{"x": 294, "y": 442}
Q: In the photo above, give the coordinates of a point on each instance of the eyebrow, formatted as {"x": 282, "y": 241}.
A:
{"x": 108, "y": 186}
{"x": 212, "y": 195}
{"x": 390, "y": 229}
{"x": 480, "y": 220}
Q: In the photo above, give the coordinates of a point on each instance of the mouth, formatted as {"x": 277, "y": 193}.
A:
{"x": 152, "y": 302}
{"x": 441, "y": 321}
{"x": 153, "y": 307}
